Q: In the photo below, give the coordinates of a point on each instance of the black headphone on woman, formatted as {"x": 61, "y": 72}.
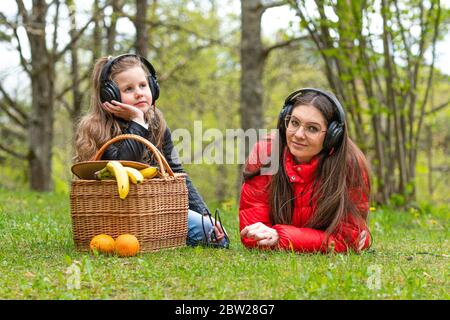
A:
{"x": 335, "y": 131}
{"x": 109, "y": 90}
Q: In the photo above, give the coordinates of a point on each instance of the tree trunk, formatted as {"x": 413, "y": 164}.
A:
{"x": 97, "y": 33}
{"x": 40, "y": 132}
{"x": 111, "y": 29}
{"x": 252, "y": 64}
{"x": 76, "y": 92}
{"x": 392, "y": 104}
{"x": 429, "y": 134}
{"x": 221, "y": 182}
{"x": 141, "y": 43}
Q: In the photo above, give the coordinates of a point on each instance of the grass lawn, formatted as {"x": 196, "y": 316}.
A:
{"x": 409, "y": 259}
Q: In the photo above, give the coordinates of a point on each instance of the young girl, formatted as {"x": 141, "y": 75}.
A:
{"x": 317, "y": 200}
{"x": 123, "y": 102}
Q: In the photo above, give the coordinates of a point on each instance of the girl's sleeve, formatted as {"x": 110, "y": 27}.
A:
{"x": 127, "y": 149}
{"x": 196, "y": 202}
{"x": 345, "y": 238}
{"x": 253, "y": 206}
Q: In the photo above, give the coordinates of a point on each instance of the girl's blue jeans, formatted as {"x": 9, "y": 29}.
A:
{"x": 200, "y": 234}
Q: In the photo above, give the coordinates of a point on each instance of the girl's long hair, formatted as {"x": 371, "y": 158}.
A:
{"x": 339, "y": 176}
{"x": 98, "y": 126}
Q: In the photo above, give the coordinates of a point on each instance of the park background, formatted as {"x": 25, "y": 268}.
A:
{"x": 230, "y": 64}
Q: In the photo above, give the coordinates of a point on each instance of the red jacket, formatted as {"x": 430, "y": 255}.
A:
{"x": 254, "y": 207}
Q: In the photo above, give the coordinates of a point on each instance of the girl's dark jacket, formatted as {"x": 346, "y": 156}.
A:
{"x": 134, "y": 150}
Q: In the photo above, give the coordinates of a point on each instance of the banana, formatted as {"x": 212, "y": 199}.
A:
{"x": 123, "y": 184}
{"x": 104, "y": 174}
{"x": 149, "y": 173}
{"x": 134, "y": 175}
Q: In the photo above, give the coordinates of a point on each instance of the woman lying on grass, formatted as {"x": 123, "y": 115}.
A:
{"x": 317, "y": 198}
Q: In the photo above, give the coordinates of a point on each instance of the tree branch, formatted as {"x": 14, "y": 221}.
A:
{"x": 286, "y": 43}
{"x": 65, "y": 105}
{"x": 55, "y": 33}
{"x": 274, "y": 4}
{"x": 13, "y": 153}
{"x": 319, "y": 40}
{"x": 13, "y": 26}
{"x": 77, "y": 35}
{"x": 439, "y": 107}
{"x": 5, "y": 108}
{"x": 74, "y": 39}
{"x": 431, "y": 72}
{"x": 12, "y": 133}
{"x": 182, "y": 62}
{"x": 402, "y": 33}
{"x": 173, "y": 26}
{"x": 13, "y": 104}
{"x": 67, "y": 89}
{"x": 22, "y": 11}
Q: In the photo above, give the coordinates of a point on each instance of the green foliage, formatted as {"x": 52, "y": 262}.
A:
{"x": 372, "y": 58}
{"x": 203, "y": 84}
{"x": 13, "y": 174}
{"x": 286, "y": 70}
{"x": 61, "y": 176}
{"x": 397, "y": 200}
{"x": 195, "y": 49}
{"x": 4, "y": 37}
{"x": 409, "y": 255}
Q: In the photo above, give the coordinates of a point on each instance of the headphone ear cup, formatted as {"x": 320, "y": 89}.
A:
{"x": 154, "y": 87}
{"x": 333, "y": 137}
{"x": 109, "y": 92}
{"x": 283, "y": 113}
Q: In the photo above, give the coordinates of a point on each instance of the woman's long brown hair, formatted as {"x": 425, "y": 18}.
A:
{"x": 344, "y": 170}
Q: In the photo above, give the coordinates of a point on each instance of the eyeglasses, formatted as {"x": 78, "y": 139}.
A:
{"x": 312, "y": 130}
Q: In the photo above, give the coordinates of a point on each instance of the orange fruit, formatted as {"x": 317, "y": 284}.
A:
{"x": 103, "y": 243}
{"x": 127, "y": 245}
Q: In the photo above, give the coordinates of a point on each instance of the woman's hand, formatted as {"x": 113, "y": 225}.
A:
{"x": 264, "y": 235}
{"x": 124, "y": 111}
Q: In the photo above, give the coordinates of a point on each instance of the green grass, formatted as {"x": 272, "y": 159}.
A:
{"x": 408, "y": 260}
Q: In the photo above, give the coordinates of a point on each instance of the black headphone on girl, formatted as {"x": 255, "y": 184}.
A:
{"x": 335, "y": 131}
{"x": 109, "y": 90}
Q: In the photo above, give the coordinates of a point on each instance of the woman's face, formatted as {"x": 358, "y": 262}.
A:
{"x": 305, "y": 132}
{"x": 134, "y": 88}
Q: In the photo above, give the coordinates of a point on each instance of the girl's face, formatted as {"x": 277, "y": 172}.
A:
{"x": 134, "y": 88}
{"x": 305, "y": 132}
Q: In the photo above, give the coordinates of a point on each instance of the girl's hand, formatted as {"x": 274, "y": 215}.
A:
{"x": 124, "y": 111}
{"x": 218, "y": 229}
{"x": 219, "y": 232}
{"x": 264, "y": 235}
{"x": 362, "y": 240}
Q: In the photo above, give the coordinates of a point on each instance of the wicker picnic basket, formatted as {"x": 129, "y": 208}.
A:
{"x": 155, "y": 211}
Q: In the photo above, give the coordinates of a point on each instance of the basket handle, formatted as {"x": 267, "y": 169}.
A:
{"x": 163, "y": 165}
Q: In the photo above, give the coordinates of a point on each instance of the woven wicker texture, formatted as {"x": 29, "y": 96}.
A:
{"x": 154, "y": 211}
